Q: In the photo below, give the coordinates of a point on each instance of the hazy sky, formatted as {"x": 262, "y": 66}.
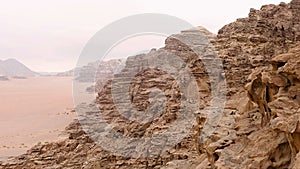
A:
{"x": 49, "y": 35}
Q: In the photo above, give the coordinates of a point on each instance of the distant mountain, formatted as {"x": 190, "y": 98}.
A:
{"x": 97, "y": 69}
{"x": 12, "y": 67}
{"x": 65, "y": 74}
{"x": 48, "y": 73}
{"x": 4, "y": 78}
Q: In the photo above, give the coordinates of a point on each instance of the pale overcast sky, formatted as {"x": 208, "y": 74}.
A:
{"x": 49, "y": 35}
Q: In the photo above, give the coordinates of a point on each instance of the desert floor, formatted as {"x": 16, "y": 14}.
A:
{"x": 33, "y": 110}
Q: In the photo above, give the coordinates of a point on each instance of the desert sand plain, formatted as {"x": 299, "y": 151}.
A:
{"x": 33, "y": 110}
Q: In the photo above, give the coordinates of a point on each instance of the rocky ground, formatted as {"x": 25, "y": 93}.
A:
{"x": 259, "y": 127}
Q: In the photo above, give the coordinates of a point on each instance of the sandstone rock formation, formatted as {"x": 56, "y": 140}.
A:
{"x": 259, "y": 127}
{"x": 251, "y": 42}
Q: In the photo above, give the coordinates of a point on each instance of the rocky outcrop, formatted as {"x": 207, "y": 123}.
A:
{"x": 82, "y": 149}
{"x": 276, "y": 93}
{"x": 265, "y": 133}
{"x": 251, "y": 42}
{"x": 259, "y": 127}
{"x": 261, "y": 135}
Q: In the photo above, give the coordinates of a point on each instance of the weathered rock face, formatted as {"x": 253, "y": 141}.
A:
{"x": 265, "y": 133}
{"x": 260, "y": 123}
{"x": 275, "y": 91}
{"x": 251, "y": 42}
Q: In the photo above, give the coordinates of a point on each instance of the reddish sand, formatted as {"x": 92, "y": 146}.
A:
{"x": 33, "y": 110}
